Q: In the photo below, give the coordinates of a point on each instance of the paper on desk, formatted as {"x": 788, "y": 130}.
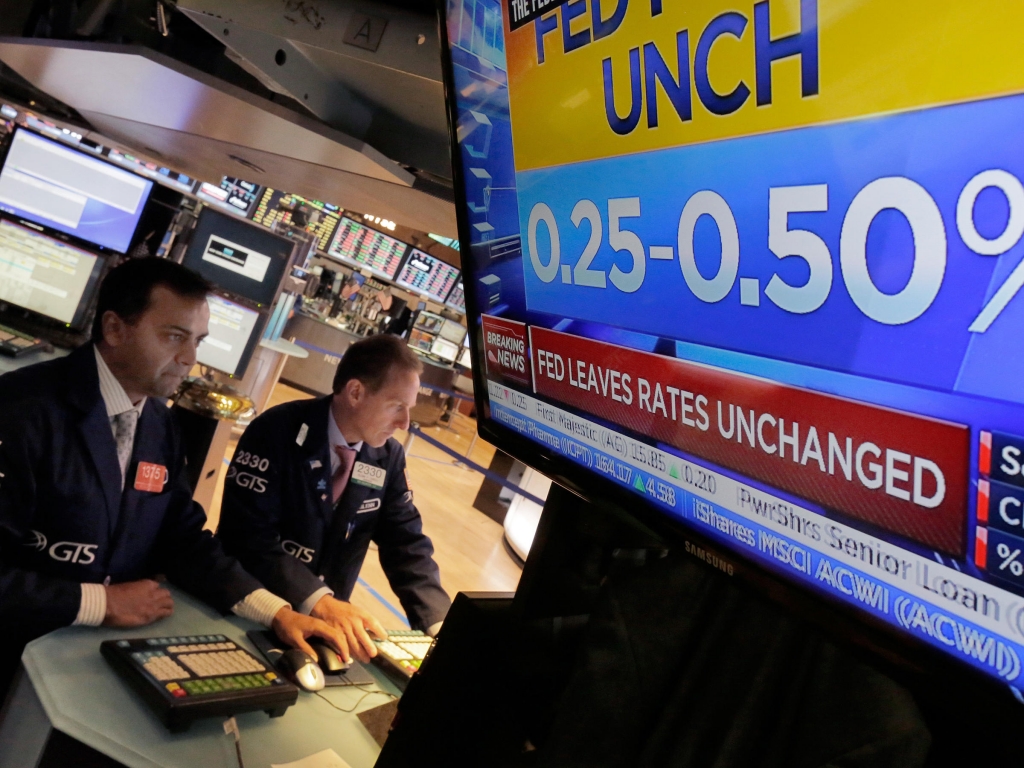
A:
{"x": 326, "y": 759}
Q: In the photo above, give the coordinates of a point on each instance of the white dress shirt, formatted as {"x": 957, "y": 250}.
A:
{"x": 260, "y": 606}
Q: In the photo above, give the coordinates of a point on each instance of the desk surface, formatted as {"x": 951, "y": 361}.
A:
{"x": 14, "y": 363}
{"x": 86, "y": 699}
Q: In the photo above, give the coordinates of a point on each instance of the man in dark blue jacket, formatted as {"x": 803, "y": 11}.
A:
{"x": 94, "y": 501}
{"x": 313, "y": 482}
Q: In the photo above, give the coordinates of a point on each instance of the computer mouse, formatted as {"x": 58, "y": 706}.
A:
{"x": 301, "y": 669}
{"x": 330, "y": 660}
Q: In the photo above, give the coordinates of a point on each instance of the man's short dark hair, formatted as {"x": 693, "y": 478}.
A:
{"x": 374, "y": 360}
{"x": 128, "y": 289}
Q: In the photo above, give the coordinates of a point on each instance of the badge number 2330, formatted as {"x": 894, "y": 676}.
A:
{"x": 247, "y": 459}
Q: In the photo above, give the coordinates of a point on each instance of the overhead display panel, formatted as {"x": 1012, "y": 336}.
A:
{"x": 428, "y": 275}
{"x": 362, "y": 246}
{"x": 268, "y": 212}
{"x": 158, "y": 173}
{"x": 762, "y": 277}
{"x": 232, "y": 195}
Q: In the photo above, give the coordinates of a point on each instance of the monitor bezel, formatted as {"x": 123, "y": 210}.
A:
{"x": 897, "y": 651}
{"x": 98, "y": 158}
{"x": 420, "y": 292}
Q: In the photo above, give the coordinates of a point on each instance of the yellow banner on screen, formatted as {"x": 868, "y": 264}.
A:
{"x": 602, "y": 78}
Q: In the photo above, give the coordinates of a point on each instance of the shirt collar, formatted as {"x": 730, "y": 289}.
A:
{"x": 334, "y": 436}
{"x": 114, "y": 397}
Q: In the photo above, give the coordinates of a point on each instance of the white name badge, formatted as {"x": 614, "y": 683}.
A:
{"x": 368, "y": 475}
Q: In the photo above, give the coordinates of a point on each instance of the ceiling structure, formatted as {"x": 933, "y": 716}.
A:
{"x": 333, "y": 100}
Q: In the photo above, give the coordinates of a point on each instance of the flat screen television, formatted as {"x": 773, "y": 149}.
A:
{"x": 361, "y": 246}
{"x": 235, "y": 330}
{"x": 765, "y": 288}
{"x": 238, "y": 256}
{"x": 428, "y": 275}
{"x": 47, "y": 276}
{"x": 54, "y": 185}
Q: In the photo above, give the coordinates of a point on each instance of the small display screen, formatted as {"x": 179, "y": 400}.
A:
{"x": 60, "y": 187}
{"x": 364, "y": 247}
{"x": 238, "y": 257}
{"x": 233, "y": 335}
{"x": 268, "y": 213}
{"x": 444, "y": 349}
{"x": 427, "y": 275}
{"x": 44, "y": 275}
{"x": 457, "y": 298}
{"x": 234, "y": 195}
{"x": 453, "y": 331}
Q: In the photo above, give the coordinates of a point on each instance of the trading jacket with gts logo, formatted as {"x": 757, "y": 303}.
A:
{"x": 278, "y": 519}
{"x": 64, "y": 519}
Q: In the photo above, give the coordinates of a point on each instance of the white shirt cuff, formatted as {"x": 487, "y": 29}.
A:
{"x": 310, "y": 602}
{"x": 93, "y": 608}
{"x": 433, "y": 629}
{"x": 260, "y": 606}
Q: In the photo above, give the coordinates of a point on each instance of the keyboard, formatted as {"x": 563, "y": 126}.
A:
{"x": 15, "y": 343}
{"x": 404, "y": 651}
{"x": 52, "y": 331}
{"x": 184, "y": 679}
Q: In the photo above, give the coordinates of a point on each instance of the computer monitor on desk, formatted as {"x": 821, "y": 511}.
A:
{"x": 235, "y": 331}
{"x": 47, "y": 278}
{"x": 72, "y": 192}
{"x": 444, "y": 349}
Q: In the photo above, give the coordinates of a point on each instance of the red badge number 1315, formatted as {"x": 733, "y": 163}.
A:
{"x": 150, "y": 477}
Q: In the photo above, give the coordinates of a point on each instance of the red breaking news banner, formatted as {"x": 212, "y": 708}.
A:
{"x": 901, "y": 472}
{"x": 506, "y": 350}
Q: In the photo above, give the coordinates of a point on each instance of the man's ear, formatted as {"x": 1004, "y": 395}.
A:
{"x": 114, "y": 328}
{"x": 355, "y": 391}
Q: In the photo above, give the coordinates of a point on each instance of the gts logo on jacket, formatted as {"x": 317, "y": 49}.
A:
{"x": 247, "y": 480}
{"x": 299, "y": 552}
{"x": 64, "y": 551}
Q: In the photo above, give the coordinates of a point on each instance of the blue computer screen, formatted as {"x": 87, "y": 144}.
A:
{"x": 50, "y": 184}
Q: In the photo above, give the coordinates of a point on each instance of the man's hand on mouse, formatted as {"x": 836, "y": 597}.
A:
{"x": 354, "y": 623}
{"x": 294, "y": 628}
